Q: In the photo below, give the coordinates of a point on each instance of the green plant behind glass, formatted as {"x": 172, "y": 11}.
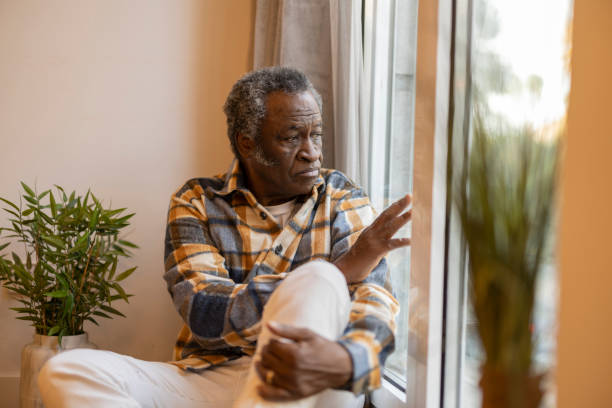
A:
{"x": 506, "y": 203}
{"x": 67, "y": 270}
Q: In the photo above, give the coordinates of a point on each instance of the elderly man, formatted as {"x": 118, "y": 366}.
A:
{"x": 276, "y": 269}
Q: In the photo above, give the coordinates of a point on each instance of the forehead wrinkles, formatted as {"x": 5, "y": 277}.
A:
{"x": 295, "y": 118}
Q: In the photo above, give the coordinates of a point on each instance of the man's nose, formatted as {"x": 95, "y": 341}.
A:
{"x": 309, "y": 150}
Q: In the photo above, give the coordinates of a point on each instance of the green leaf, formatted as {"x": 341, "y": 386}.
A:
{"x": 64, "y": 198}
{"x": 81, "y": 243}
{"x": 128, "y": 244}
{"x": 9, "y": 203}
{"x": 121, "y": 292}
{"x": 31, "y": 200}
{"x": 111, "y": 310}
{"x": 20, "y": 269}
{"x": 28, "y": 212}
{"x": 4, "y": 246}
{"x": 19, "y": 290}
{"x": 91, "y": 319}
{"x": 124, "y": 219}
{"x": 62, "y": 333}
{"x": 43, "y": 194}
{"x": 23, "y": 309}
{"x": 53, "y": 204}
{"x": 117, "y": 297}
{"x": 57, "y": 293}
{"x": 28, "y": 189}
{"x": 102, "y": 314}
{"x": 125, "y": 274}
{"x": 110, "y": 213}
{"x": 13, "y": 213}
{"x": 30, "y": 318}
{"x": 69, "y": 304}
{"x": 94, "y": 218}
{"x": 53, "y": 331}
{"x": 48, "y": 219}
{"x": 56, "y": 242}
{"x": 113, "y": 269}
{"x": 16, "y": 227}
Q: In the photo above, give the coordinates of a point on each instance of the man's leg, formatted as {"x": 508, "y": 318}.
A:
{"x": 314, "y": 296}
{"x": 95, "y": 378}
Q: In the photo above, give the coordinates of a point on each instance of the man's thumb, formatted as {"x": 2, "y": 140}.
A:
{"x": 289, "y": 332}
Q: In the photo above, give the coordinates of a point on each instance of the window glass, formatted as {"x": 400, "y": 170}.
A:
{"x": 389, "y": 59}
{"x": 519, "y": 70}
{"x": 398, "y": 166}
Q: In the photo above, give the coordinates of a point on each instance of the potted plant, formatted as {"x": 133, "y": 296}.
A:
{"x": 62, "y": 268}
{"x": 505, "y": 201}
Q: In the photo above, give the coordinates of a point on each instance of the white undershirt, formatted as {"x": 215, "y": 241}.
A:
{"x": 282, "y": 212}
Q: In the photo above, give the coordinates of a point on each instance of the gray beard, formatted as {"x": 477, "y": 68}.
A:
{"x": 261, "y": 158}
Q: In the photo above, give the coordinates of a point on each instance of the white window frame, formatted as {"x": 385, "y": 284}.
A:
{"x": 427, "y": 263}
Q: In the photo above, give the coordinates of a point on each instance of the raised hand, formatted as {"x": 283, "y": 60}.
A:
{"x": 375, "y": 242}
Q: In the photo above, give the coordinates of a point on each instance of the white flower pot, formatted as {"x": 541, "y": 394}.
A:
{"x": 34, "y": 356}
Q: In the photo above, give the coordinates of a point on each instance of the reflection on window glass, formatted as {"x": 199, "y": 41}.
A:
{"x": 520, "y": 52}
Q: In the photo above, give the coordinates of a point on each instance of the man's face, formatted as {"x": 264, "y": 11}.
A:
{"x": 287, "y": 161}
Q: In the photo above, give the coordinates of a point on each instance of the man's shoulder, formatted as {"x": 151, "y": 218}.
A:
{"x": 199, "y": 185}
{"x": 338, "y": 183}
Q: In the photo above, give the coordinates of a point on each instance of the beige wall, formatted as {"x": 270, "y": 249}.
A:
{"x": 124, "y": 97}
{"x": 585, "y": 334}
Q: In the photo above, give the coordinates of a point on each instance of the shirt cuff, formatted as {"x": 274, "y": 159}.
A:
{"x": 366, "y": 373}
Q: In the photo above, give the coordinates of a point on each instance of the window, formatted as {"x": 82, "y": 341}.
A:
{"x": 513, "y": 58}
{"x": 412, "y": 373}
{"x": 517, "y": 61}
{"x": 392, "y": 73}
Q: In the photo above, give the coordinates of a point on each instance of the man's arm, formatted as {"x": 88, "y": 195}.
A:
{"x": 370, "y": 335}
{"x": 353, "y": 362}
{"x": 219, "y": 312}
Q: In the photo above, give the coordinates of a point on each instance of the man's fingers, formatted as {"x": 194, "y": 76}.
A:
{"x": 279, "y": 379}
{"x": 396, "y": 208}
{"x": 398, "y": 222}
{"x": 269, "y": 361}
{"x": 397, "y": 243}
{"x": 275, "y": 359}
{"x": 289, "y": 332}
{"x": 272, "y": 393}
{"x": 261, "y": 371}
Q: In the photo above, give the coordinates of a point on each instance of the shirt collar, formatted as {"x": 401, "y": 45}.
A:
{"x": 235, "y": 180}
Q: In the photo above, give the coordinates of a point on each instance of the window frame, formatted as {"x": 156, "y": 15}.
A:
{"x": 429, "y": 223}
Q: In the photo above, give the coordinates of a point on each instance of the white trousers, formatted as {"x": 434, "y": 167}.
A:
{"x": 314, "y": 295}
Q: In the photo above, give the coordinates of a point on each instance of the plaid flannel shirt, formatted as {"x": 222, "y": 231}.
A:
{"x": 225, "y": 254}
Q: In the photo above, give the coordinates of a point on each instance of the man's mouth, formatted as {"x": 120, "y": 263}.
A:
{"x": 309, "y": 173}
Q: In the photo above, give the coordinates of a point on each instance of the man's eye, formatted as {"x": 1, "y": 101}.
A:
{"x": 317, "y": 135}
{"x": 291, "y": 138}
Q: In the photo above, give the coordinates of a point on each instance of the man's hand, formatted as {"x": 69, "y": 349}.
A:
{"x": 375, "y": 242}
{"x": 302, "y": 362}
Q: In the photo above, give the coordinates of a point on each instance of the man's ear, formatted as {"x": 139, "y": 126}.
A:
{"x": 245, "y": 145}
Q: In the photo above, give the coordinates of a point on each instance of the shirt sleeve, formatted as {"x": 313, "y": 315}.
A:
{"x": 219, "y": 312}
{"x": 370, "y": 335}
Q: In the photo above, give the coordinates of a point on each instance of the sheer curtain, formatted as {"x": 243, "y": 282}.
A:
{"x": 323, "y": 38}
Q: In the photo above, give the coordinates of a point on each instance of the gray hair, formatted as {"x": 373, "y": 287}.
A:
{"x": 245, "y": 106}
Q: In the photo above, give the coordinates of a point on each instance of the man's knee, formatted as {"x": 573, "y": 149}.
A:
{"x": 59, "y": 364}
{"x": 70, "y": 363}
{"x": 310, "y": 293}
{"x": 319, "y": 272}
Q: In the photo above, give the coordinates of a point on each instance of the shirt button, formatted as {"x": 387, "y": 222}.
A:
{"x": 263, "y": 215}
{"x": 278, "y": 249}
